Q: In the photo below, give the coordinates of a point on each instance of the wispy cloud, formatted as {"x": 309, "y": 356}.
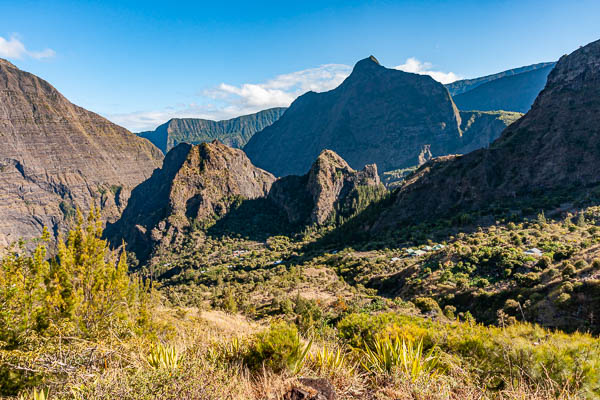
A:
{"x": 424, "y": 68}
{"x": 228, "y": 101}
{"x": 281, "y": 90}
{"x": 14, "y": 48}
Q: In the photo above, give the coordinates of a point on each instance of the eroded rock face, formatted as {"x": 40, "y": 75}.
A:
{"x": 377, "y": 115}
{"x": 195, "y": 184}
{"x": 56, "y": 157}
{"x": 555, "y": 146}
{"x": 326, "y": 189}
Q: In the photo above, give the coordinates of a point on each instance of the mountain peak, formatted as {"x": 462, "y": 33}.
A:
{"x": 6, "y": 63}
{"x": 367, "y": 63}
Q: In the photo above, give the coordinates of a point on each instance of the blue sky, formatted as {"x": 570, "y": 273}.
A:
{"x": 140, "y": 63}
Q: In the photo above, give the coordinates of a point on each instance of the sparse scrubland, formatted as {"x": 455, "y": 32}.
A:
{"x": 226, "y": 316}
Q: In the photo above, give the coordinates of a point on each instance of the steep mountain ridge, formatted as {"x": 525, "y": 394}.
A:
{"x": 233, "y": 132}
{"x": 553, "y": 147}
{"x": 56, "y": 156}
{"x": 377, "y": 115}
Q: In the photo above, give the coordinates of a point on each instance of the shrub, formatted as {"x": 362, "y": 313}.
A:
{"x": 277, "y": 348}
{"x": 427, "y": 304}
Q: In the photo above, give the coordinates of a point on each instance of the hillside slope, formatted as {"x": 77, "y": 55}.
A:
{"x": 511, "y": 93}
{"x": 56, "y": 156}
{"x": 554, "y": 147}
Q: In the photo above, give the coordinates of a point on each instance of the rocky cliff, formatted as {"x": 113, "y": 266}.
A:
{"x": 330, "y": 189}
{"x": 56, "y": 156}
{"x": 377, "y": 115}
{"x": 554, "y": 147}
{"x": 234, "y": 132}
{"x": 197, "y": 184}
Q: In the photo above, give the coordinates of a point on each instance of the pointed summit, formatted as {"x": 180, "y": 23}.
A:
{"x": 367, "y": 63}
{"x": 7, "y": 63}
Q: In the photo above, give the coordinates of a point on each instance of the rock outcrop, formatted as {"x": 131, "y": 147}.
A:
{"x": 554, "y": 147}
{"x": 196, "y": 184}
{"x": 56, "y": 157}
{"x": 233, "y": 132}
{"x": 377, "y": 115}
{"x": 330, "y": 189}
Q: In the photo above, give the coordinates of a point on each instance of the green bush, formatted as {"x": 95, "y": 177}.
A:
{"x": 278, "y": 348}
{"x": 427, "y": 304}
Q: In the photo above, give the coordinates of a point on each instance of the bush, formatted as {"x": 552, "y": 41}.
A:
{"x": 427, "y": 304}
{"x": 277, "y": 348}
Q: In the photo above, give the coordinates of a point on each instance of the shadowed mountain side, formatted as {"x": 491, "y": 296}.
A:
{"x": 553, "y": 148}
{"x": 377, "y": 115}
{"x": 510, "y": 93}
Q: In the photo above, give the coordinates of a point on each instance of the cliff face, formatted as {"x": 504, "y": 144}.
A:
{"x": 553, "y": 147}
{"x": 327, "y": 190}
{"x": 234, "y": 132}
{"x": 195, "y": 184}
{"x": 56, "y": 156}
{"x": 377, "y": 115}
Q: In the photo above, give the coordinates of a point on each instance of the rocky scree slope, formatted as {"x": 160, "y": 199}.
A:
{"x": 56, "y": 157}
{"x": 555, "y": 146}
{"x": 233, "y": 132}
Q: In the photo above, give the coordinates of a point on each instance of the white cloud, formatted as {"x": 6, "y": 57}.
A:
{"x": 14, "y": 48}
{"x": 228, "y": 101}
{"x": 424, "y": 68}
{"x": 281, "y": 90}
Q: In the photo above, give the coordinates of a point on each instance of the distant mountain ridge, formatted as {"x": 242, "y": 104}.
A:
{"x": 233, "y": 132}
{"x": 56, "y": 157}
{"x": 465, "y": 85}
{"x": 511, "y": 93}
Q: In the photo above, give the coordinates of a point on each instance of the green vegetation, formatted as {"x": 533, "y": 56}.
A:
{"x": 238, "y": 302}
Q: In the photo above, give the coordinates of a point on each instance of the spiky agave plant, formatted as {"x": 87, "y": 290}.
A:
{"x": 328, "y": 360}
{"x": 298, "y": 356}
{"x": 163, "y": 357}
{"x": 386, "y": 355}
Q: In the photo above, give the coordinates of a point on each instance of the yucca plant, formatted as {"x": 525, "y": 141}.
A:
{"x": 387, "y": 355}
{"x": 328, "y": 360}
{"x": 298, "y": 358}
{"x": 163, "y": 357}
